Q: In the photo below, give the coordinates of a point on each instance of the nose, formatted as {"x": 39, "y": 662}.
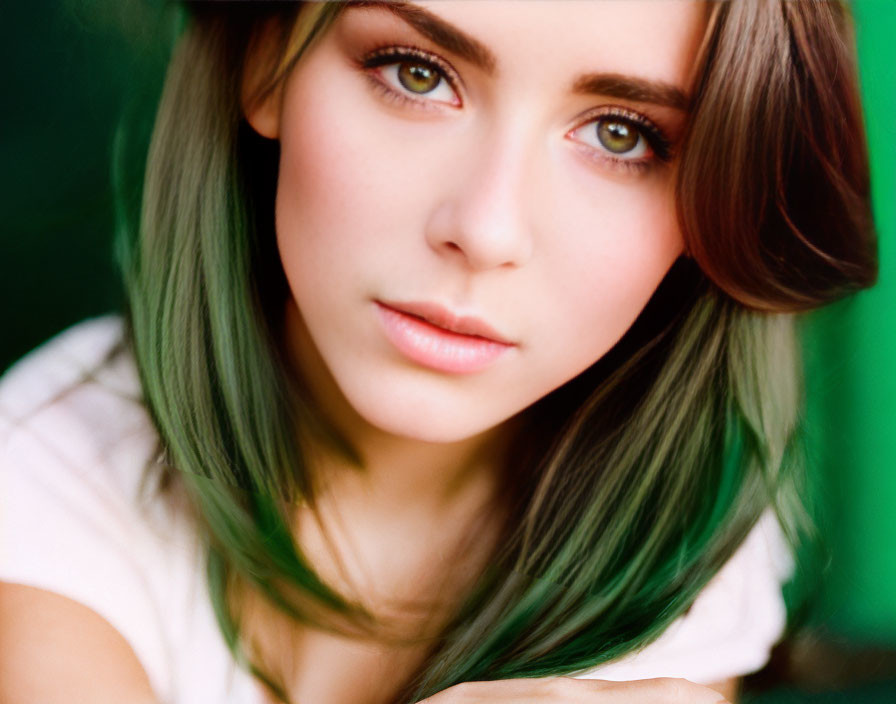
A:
{"x": 482, "y": 220}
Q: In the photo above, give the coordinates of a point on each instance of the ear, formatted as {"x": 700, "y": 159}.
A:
{"x": 262, "y": 112}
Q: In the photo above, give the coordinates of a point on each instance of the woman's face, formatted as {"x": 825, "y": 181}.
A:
{"x": 508, "y": 162}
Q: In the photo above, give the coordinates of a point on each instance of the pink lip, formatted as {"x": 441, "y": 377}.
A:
{"x": 431, "y": 335}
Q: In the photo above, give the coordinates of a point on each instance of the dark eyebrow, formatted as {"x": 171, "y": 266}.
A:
{"x": 438, "y": 31}
{"x": 458, "y": 42}
{"x": 639, "y": 90}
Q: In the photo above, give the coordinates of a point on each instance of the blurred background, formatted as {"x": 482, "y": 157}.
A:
{"x": 79, "y": 71}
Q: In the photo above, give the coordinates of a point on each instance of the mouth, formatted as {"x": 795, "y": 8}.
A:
{"x": 434, "y": 337}
{"x": 440, "y": 317}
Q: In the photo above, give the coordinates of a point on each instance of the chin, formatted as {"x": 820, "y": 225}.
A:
{"x": 423, "y": 420}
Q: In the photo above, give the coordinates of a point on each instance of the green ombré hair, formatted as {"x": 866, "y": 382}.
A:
{"x": 639, "y": 478}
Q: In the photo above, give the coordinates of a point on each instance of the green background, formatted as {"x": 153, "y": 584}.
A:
{"x": 851, "y": 387}
{"x": 74, "y": 67}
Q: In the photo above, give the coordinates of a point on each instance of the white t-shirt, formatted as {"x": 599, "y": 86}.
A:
{"x": 76, "y": 520}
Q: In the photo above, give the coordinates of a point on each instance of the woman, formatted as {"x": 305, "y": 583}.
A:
{"x": 459, "y": 349}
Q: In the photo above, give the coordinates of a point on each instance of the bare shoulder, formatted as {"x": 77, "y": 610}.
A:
{"x": 53, "y": 649}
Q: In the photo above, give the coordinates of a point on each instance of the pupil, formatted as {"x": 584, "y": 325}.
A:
{"x": 418, "y": 78}
{"x": 617, "y": 137}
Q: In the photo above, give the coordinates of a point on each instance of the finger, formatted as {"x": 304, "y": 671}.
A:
{"x": 527, "y": 690}
{"x": 568, "y": 690}
{"x": 661, "y": 690}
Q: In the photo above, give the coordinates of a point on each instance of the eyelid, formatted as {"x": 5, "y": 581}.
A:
{"x": 656, "y": 139}
{"x": 390, "y": 54}
{"x": 649, "y": 130}
{"x": 395, "y": 53}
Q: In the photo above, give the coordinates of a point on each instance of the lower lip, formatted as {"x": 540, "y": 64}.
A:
{"x": 435, "y": 347}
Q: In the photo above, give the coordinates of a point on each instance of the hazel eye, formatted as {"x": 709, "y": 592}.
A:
{"x": 418, "y": 79}
{"x": 619, "y": 137}
{"x": 411, "y": 74}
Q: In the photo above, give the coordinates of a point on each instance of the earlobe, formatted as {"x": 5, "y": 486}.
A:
{"x": 263, "y": 115}
{"x": 261, "y": 110}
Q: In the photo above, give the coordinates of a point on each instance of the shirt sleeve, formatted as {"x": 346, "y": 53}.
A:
{"x": 68, "y": 522}
{"x": 730, "y": 629}
{"x": 77, "y": 518}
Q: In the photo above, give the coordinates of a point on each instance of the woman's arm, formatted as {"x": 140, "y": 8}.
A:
{"x": 54, "y": 650}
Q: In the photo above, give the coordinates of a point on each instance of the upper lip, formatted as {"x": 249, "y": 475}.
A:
{"x": 442, "y": 317}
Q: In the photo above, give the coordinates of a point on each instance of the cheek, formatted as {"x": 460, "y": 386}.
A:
{"x": 610, "y": 253}
{"x": 630, "y": 248}
{"x": 347, "y": 183}
{"x": 317, "y": 194}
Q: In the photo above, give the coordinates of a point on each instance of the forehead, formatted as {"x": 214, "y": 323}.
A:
{"x": 655, "y": 39}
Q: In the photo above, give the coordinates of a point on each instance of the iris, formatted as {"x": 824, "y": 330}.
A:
{"x": 418, "y": 78}
{"x": 616, "y": 136}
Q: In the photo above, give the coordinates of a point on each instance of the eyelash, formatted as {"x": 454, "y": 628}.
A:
{"x": 659, "y": 145}
{"x": 389, "y": 55}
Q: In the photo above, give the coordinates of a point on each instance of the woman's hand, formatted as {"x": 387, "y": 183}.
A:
{"x": 567, "y": 690}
